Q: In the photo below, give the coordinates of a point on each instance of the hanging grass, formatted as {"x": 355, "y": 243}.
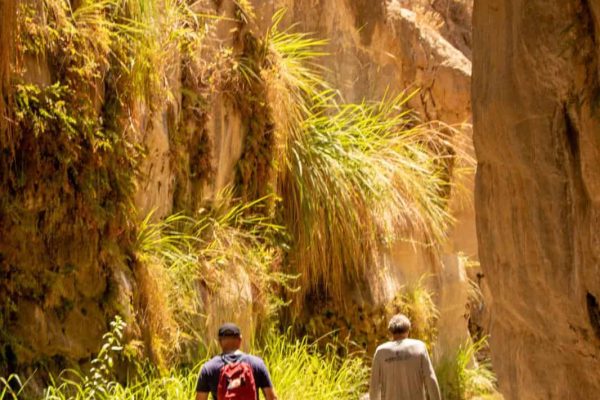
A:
{"x": 353, "y": 178}
{"x": 356, "y": 180}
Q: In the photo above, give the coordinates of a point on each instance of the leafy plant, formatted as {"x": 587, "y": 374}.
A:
{"x": 99, "y": 377}
{"x": 99, "y": 381}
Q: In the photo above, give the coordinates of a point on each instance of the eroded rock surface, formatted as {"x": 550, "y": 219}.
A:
{"x": 537, "y": 138}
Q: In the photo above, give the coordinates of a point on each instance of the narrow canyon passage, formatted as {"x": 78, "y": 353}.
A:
{"x": 306, "y": 169}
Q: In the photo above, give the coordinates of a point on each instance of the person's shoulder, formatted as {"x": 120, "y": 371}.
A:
{"x": 384, "y": 346}
{"x": 255, "y": 360}
{"x": 416, "y": 343}
{"x": 214, "y": 363}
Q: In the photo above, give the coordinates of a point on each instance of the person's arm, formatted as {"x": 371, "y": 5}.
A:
{"x": 201, "y": 395}
{"x": 263, "y": 379}
{"x": 428, "y": 375}
{"x": 203, "y": 386}
{"x": 269, "y": 393}
{"x": 375, "y": 383}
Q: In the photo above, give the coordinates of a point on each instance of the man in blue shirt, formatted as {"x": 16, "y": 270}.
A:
{"x": 230, "y": 340}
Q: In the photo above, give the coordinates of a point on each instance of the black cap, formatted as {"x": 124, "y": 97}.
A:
{"x": 229, "y": 330}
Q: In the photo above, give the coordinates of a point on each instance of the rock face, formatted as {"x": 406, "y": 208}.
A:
{"x": 537, "y": 139}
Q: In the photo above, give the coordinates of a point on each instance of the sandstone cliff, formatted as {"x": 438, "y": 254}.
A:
{"x": 536, "y": 120}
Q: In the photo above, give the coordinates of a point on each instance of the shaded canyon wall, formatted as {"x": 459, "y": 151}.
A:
{"x": 537, "y": 139}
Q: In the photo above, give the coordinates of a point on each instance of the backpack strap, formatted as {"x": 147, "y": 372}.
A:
{"x": 225, "y": 362}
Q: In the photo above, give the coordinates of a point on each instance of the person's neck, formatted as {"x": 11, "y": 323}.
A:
{"x": 230, "y": 351}
{"x": 400, "y": 337}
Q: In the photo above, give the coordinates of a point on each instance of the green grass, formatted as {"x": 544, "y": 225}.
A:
{"x": 300, "y": 371}
{"x": 359, "y": 177}
{"x": 461, "y": 377}
{"x": 297, "y": 369}
{"x": 417, "y": 303}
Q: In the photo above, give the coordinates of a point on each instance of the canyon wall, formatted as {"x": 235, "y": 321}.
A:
{"x": 537, "y": 139}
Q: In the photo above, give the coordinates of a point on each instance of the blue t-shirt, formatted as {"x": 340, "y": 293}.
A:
{"x": 208, "y": 381}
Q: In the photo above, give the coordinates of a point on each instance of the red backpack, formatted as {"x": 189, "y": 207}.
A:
{"x": 236, "y": 382}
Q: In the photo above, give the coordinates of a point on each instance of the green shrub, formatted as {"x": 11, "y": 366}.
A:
{"x": 462, "y": 377}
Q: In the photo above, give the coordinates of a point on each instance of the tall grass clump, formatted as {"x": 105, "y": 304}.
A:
{"x": 416, "y": 301}
{"x": 301, "y": 371}
{"x": 352, "y": 177}
{"x": 462, "y": 377}
{"x": 356, "y": 180}
{"x": 183, "y": 256}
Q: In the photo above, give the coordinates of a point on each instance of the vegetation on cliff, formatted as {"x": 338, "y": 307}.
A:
{"x": 322, "y": 188}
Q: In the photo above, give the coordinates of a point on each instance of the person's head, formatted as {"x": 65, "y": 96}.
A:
{"x": 230, "y": 337}
{"x": 399, "y": 326}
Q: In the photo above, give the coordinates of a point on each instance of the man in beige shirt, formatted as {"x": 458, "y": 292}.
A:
{"x": 401, "y": 368}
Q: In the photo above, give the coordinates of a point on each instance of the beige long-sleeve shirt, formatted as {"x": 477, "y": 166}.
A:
{"x": 402, "y": 370}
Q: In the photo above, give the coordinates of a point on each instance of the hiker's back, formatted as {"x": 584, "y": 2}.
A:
{"x": 236, "y": 380}
{"x": 401, "y": 374}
